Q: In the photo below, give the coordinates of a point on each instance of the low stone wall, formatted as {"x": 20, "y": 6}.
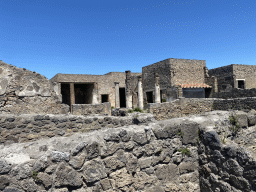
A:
{"x": 88, "y": 109}
{"x": 235, "y": 93}
{"x": 134, "y": 158}
{"x": 24, "y": 128}
{"x": 188, "y": 106}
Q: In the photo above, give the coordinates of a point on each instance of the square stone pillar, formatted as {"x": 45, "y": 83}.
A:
{"x": 117, "y": 101}
{"x": 95, "y": 95}
{"x": 140, "y": 93}
{"x": 157, "y": 89}
{"x": 72, "y": 95}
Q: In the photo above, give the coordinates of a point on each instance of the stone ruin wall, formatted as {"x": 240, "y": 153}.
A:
{"x": 88, "y": 109}
{"x": 189, "y": 106}
{"x": 26, "y": 92}
{"x": 124, "y": 159}
{"x": 148, "y": 77}
{"x": 186, "y": 71}
{"x": 106, "y": 83}
{"x": 247, "y": 72}
{"x": 24, "y": 128}
{"x": 138, "y": 158}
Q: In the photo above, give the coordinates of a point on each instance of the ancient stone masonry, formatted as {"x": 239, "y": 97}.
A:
{"x": 135, "y": 158}
{"x": 93, "y": 89}
{"x": 235, "y": 76}
{"x": 24, "y": 128}
{"x": 176, "y": 78}
{"x": 24, "y": 91}
{"x": 188, "y": 106}
{"x": 196, "y": 153}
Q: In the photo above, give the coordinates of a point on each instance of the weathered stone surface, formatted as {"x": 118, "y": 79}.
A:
{"x": 94, "y": 170}
{"x": 60, "y": 156}
{"x": 78, "y": 148}
{"x": 122, "y": 178}
{"x": 92, "y": 150}
{"x": 212, "y": 139}
{"x": 190, "y": 133}
{"x": 77, "y": 161}
{"x": 168, "y": 172}
{"x": 29, "y": 185}
{"x": 105, "y": 183}
{"x": 5, "y": 167}
{"x": 4, "y": 181}
{"x": 113, "y": 163}
{"x": 45, "y": 178}
{"x": 145, "y": 162}
{"x": 233, "y": 167}
{"x": 140, "y": 138}
{"x": 132, "y": 163}
{"x": 12, "y": 189}
{"x": 21, "y": 171}
{"x": 186, "y": 167}
{"x": 142, "y": 179}
{"x": 241, "y": 119}
{"x": 66, "y": 176}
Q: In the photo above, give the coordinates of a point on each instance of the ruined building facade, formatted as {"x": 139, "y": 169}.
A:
{"x": 93, "y": 89}
{"x": 24, "y": 91}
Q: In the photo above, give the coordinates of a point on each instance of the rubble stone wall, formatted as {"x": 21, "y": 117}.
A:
{"x": 189, "y": 106}
{"x": 235, "y": 93}
{"x": 88, "y": 109}
{"x": 136, "y": 158}
{"x": 26, "y": 92}
{"x": 225, "y": 166}
{"x": 24, "y": 128}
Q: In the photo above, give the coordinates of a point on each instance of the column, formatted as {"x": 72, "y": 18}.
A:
{"x": 128, "y": 94}
{"x": 157, "y": 89}
{"x": 140, "y": 93}
{"x": 95, "y": 94}
{"x": 72, "y": 95}
{"x": 117, "y": 101}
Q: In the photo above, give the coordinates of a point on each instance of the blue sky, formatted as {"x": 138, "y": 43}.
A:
{"x": 96, "y": 37}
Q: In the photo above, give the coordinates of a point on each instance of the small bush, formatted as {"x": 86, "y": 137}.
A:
{"x": 163, "y": 100}
{"x": 130, "y": 111}
{"x": 180, "y": 133}
{"x": 235, "y": 126}
{"x": 138, "y": 110}
{"x": 34, "y": 175}
{"x": 184, "y": 151}
{"x": 223, "y": 140}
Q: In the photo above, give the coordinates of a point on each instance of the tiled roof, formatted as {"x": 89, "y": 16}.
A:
{"x": 194, "y": 85}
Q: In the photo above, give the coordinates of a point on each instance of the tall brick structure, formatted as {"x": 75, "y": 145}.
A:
{"x": 177, "y": 78}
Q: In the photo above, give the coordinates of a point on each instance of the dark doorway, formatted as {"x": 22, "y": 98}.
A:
{"x": 161, "y": 96}
{"x": 122, "y": 97}
{"x": 241, "y": 84}
{"x": 65, "y": 92}
{"x": 104, "y": 98}
{"x": 83, "y": 93}
{"x": 150, "y": 97}
{"x": 207, "y": 92}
